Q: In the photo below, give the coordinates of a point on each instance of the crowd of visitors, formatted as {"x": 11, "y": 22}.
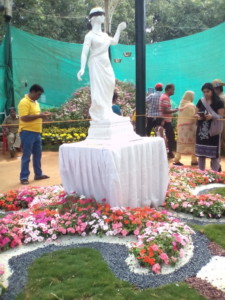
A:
{"x": 200, "y": 131}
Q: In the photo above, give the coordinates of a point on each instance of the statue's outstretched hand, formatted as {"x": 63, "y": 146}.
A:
{"x": 80, "y": 74}
{"x": 122, "y": 26}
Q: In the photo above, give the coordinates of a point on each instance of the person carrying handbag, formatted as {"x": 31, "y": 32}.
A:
{"x": 210, "y": 111}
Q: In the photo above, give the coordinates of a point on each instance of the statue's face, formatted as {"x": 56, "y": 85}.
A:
{"x": 98, "y": 19}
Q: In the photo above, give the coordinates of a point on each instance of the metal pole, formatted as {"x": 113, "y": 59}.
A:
{"x": 140, "y": 66}
{"x": 9, "y": 88}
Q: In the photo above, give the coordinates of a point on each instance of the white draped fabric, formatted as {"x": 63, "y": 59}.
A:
{"x": 102, "y": 78}
{"x": 126, "y": 174}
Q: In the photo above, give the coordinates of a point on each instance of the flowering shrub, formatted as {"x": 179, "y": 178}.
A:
{"x": 52, "y": 214}
{"x": 55, "y": 135}
{"x": 77, "y": 107}
{"x": 23, "y": 198}
{"x": 180, "y": 198}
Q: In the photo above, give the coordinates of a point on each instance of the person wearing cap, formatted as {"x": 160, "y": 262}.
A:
{"x": 218, "y": 88}
{"x": 166, "y": 111}
{"x": 152, "y": 102}
{"x": 10, "y": 128}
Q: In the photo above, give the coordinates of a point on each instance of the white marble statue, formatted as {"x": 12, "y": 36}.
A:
{"x": 102, "y": 78}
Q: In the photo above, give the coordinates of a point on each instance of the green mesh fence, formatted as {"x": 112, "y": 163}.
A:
{"x": 50, "y": 63}
{"x": 187, "y": 62}
{"x": 3, "y": 98}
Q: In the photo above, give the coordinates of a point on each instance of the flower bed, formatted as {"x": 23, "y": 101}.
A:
{"x": 181, "y": 199}
{"x": 161, "y": 238}
{"x": 55, "y": 135}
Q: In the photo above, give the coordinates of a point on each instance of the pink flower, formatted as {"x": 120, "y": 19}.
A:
{"x": 156, "y": 268}
{"x": 71, "y": 230}
{"x": 136, "y": 231}
{"x": 174, "y": 206}
{"x": 165, "y": 258}
{"x": 54, "y": 236}
{"x": 174, "y": 246}
{"x": 181, "y": 253}
{"x": 124, "y": 232}
{"x": 117, "y": 225}
{"x": 155, "y": 247}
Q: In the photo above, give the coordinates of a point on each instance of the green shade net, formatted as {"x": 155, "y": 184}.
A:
{"x": 187, "y": 62}
{"x": 2, "y": 83}
{"x": 50, "y": 63}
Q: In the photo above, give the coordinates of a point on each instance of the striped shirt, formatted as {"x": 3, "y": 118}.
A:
{"x": 152, "y": 101}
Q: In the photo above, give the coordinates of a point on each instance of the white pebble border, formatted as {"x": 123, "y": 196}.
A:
{"x": 214, "y": 272}
{"x": 209, "y": 186}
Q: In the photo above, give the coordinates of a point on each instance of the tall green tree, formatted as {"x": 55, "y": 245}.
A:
{"x": 65, "y": 20}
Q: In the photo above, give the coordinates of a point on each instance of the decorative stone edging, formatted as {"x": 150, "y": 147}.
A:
{"x": 117, "y": 263}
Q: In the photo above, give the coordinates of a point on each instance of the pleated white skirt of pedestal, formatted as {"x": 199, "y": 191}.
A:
{"x": 133, "y": 173}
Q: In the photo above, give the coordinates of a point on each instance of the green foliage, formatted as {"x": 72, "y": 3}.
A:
{"x": 82, "y": 274}
{"x": 54, "y": 135}
{"x": 216, "y": 233}
{"x": 220, "y": 191}
{"x": 77, "y": 107}
{"x": 65, "y": 19}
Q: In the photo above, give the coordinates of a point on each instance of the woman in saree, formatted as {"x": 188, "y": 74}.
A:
{"x": 186, "y": 129}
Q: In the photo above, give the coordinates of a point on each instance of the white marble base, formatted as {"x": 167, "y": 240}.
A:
{"x": 109, "y": 131}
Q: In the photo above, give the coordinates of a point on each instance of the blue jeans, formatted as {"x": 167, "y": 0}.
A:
{"x": 31, "y": 144}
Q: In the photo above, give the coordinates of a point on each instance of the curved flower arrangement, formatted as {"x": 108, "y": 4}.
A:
{"x": 51, "y": 214}
{"x": 181, "y": 199}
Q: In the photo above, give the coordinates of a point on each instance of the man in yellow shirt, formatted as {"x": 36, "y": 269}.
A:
{"x": 30, "y": 129}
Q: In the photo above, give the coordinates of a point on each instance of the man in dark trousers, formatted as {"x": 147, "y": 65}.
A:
{"x": 30, "y": 128}
{"x": 152, "y": 101}
{"x": 165, "y": 109}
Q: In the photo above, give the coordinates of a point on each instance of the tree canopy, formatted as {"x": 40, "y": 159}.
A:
{"x": 65, "y": 20}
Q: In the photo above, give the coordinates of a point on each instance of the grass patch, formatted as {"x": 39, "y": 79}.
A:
{"x": 83, "y": 274}
{"x": 214, "y": 232}
{"x": 220, "y": 191}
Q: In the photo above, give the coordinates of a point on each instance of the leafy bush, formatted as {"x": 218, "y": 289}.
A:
{"x": 77, "y": 107}
{"x": 55, "y": 135}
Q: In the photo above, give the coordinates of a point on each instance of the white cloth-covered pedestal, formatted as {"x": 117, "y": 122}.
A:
{"x": 131, "y": 174}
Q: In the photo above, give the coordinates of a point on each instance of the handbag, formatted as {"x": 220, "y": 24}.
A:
{"x": 216, "y": 124}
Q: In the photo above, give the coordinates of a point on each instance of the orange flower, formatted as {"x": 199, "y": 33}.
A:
{"x": 150, "y": 261}
{"x": 150, "y": 252}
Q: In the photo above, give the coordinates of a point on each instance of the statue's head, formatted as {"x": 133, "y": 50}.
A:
{"x": 95, "y": 13}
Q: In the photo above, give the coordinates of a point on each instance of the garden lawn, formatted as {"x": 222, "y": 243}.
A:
{"x": 83, "y": 274}
{"x": 220, "y": 191}
{"x": 214, "y": 232}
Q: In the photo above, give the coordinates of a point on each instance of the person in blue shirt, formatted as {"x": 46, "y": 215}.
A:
{"x": 115, "y": 107}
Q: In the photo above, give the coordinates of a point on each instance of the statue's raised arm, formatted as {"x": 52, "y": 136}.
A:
{"x": 120, "y": 28}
